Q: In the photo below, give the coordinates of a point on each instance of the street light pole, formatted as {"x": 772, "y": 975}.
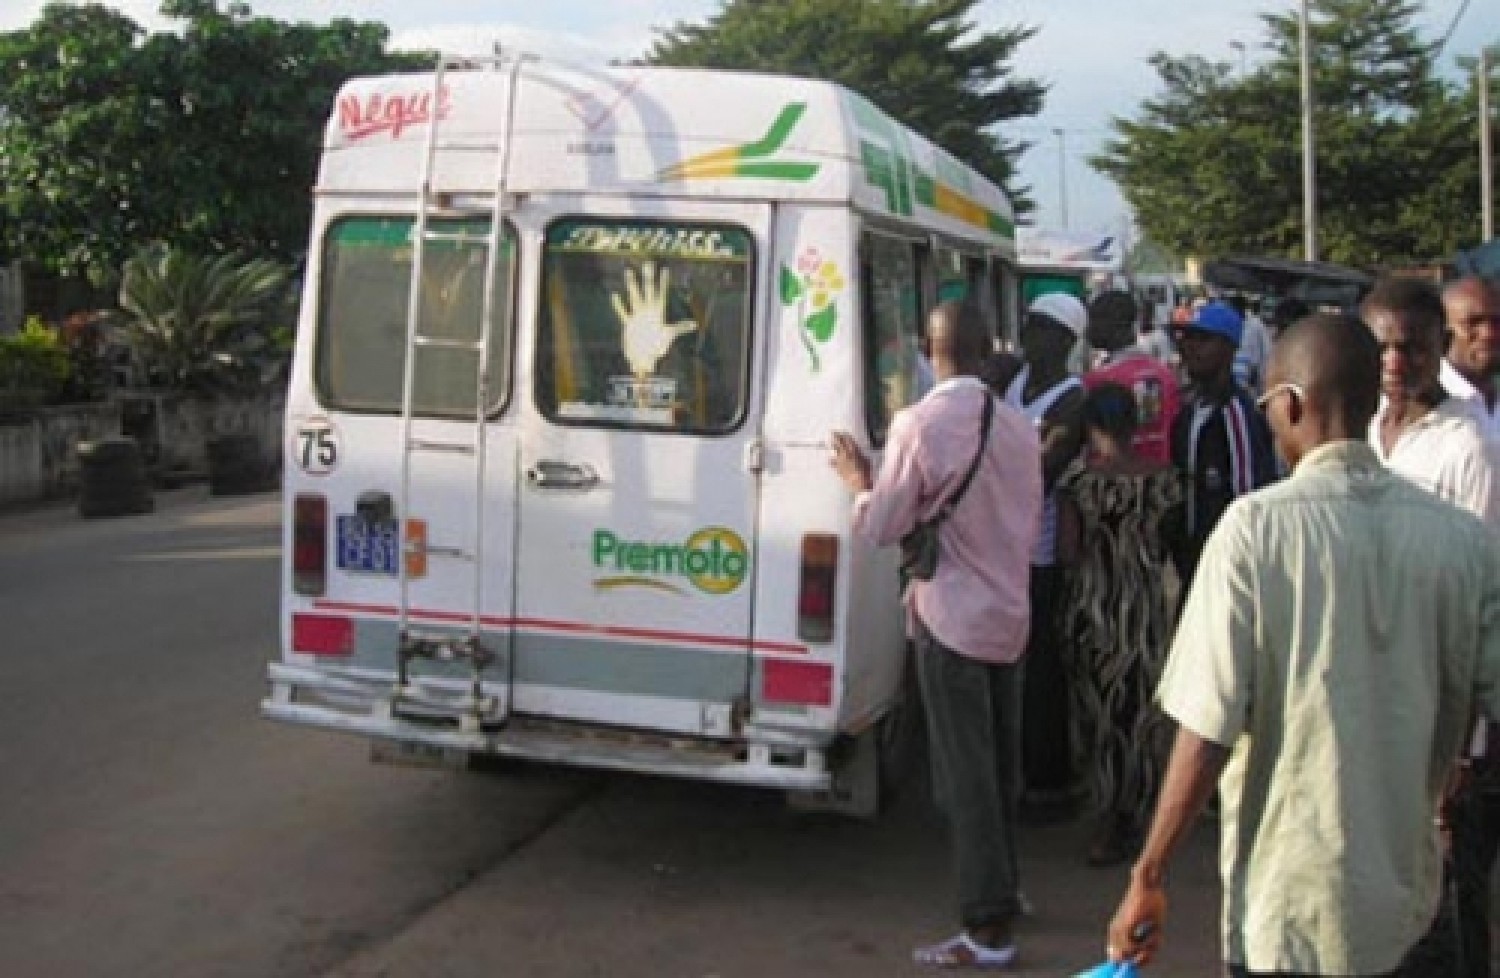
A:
{"x": 1486, "y": 155}
{"x": 1309, "y": 155}
{"x": 1062, "y": 172}
{"x": 1240, "y": 47}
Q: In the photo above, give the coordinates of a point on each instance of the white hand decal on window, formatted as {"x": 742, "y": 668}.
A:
{"x": 645, "y": 335}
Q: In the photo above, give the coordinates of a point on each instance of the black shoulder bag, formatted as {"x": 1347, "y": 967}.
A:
{"x": 919, "y": 548}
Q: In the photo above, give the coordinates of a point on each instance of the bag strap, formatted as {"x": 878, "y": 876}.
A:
{"x": 963, "y": 487}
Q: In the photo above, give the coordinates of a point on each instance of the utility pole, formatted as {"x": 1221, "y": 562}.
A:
{"x": 1486, "y": 154}
{"x": 1062, "y": 172}
{"x": 1309, "y": 153}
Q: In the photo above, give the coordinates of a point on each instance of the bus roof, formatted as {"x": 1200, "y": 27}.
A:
{"x": 668, "y": 132}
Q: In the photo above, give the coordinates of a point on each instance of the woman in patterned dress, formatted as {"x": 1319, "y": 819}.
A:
{"x": 1118, "y": 505}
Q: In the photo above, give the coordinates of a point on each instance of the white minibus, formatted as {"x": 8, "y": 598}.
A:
{"x": 571, "y": 344}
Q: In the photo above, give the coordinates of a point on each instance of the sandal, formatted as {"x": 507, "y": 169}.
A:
{"x": 962, "y": 951}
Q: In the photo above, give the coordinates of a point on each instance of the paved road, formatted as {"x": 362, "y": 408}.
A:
{"x": 154, "y": 825}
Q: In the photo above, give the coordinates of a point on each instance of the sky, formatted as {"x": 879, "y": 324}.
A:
{"x": 1091, "y": 53}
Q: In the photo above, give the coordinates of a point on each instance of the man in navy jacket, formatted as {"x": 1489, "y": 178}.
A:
{"x": 1220, "y": 439}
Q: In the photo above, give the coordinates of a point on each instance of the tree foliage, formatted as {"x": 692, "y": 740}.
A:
{"x": 111, "y": 138}
{"x": 923, "y": 61}
{"x": 34, "y": 366}
{"x": 1212, "y": 165}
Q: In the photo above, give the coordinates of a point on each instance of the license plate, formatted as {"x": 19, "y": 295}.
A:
{"x": 405, "y": 753}
{"x": 371, "y": 548}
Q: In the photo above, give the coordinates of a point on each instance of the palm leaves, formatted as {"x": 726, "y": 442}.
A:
{"x": 203, "y": 323}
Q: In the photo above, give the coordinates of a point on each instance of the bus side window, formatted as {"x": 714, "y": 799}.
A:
{"x": 892, "y": 288}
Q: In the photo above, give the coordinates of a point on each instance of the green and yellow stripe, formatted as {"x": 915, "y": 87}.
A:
{"x": 749, "y": 159}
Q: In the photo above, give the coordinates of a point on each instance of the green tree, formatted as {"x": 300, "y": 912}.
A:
{"x": 203, "y": 324}
{"x": 1212, "y": 165}
{"x": 923, "y": 61}
{"x": 77, "y": 132}
{"x": 209, "y": 136}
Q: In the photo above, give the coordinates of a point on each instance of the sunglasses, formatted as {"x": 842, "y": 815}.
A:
{"x": 1287, "y": 388}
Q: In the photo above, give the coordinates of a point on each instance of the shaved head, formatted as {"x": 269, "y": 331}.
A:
{"x": 958, "y": 337}
{"x": 1335, "y": 360}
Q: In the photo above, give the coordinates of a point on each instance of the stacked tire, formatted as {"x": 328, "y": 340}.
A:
{"x": 112, "y": 479}
{"x": 235, "y": 466}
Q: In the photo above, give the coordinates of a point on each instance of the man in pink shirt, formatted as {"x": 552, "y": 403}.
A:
{"x": 1112, "y": 329}
{"x": 969, "y": 622}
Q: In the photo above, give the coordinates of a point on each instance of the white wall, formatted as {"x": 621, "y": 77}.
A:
{"x": 39, "y": 455}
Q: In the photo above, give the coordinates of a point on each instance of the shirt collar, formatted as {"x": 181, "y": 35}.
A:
{"x": 1455, "y": 383}
{"x": 1347, "y": 454}
{"x": 1446, "y": 410}
{"x": 958, "y": 383}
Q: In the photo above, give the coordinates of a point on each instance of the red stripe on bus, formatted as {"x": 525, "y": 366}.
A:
{"x": 574, "y": 627}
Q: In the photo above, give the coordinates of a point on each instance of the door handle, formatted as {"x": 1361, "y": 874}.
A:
{"x": 554, "y": 474}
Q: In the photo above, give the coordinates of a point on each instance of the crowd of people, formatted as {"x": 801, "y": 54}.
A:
{"x": 1216, "y": 571}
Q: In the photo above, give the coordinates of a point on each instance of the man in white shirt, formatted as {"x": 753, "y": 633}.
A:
{"x": 1468, "y": 375}
{"x": 1437, "y": 441}
{"x": 1472, "y": 812}
{"x": 1419, "y": 431}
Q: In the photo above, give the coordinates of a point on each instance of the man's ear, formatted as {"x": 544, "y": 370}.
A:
{"x": 1295, "y": 409}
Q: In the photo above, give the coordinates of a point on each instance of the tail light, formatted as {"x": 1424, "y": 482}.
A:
{"x": 310, "y": 545}
{"x": 815, "y": 593}
{"x": 804, "y": 683}
{"x": 322, "y": 635}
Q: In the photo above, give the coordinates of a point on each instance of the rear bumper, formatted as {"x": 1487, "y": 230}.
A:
{"x": 364, "y": 705}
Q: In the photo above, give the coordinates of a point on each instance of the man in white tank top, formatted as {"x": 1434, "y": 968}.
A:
{"x": 1042, "y": 387}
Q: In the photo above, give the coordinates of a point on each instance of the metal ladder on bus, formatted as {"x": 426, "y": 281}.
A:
{"x": 477, "y": 709}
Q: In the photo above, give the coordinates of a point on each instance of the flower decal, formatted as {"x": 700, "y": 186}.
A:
{"x": 813, "y": 287}
{"x": 824, "y": 285}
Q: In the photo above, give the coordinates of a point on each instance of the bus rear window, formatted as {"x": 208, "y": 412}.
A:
{"x": 645, "y": 324}
{"x": 366, "y": 281}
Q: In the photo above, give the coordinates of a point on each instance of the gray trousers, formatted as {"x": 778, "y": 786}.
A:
{"x": 974, "y": 733}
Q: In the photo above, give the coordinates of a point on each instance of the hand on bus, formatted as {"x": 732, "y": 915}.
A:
{"x": 645, "y": 334}
{"x": 850, "y": 462}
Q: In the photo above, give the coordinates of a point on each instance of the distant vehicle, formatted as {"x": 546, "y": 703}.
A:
{"x": 1314, "y": 284}
{"x": 1159, "y": 294}
{"x": 1067, "y": 261}
{"x": 570, "y": 348}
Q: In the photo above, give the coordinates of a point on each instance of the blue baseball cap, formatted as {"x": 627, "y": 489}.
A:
{"x": 1220, "y": 319}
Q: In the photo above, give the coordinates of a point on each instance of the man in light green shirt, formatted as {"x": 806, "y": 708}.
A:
{"x": 1342, "y": 627}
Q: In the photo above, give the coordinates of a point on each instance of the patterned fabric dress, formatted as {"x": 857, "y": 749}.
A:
{"x": 1119, "y": 624}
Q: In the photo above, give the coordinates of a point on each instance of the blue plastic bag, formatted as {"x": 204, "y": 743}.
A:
{"x": 1111, "y": 969}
